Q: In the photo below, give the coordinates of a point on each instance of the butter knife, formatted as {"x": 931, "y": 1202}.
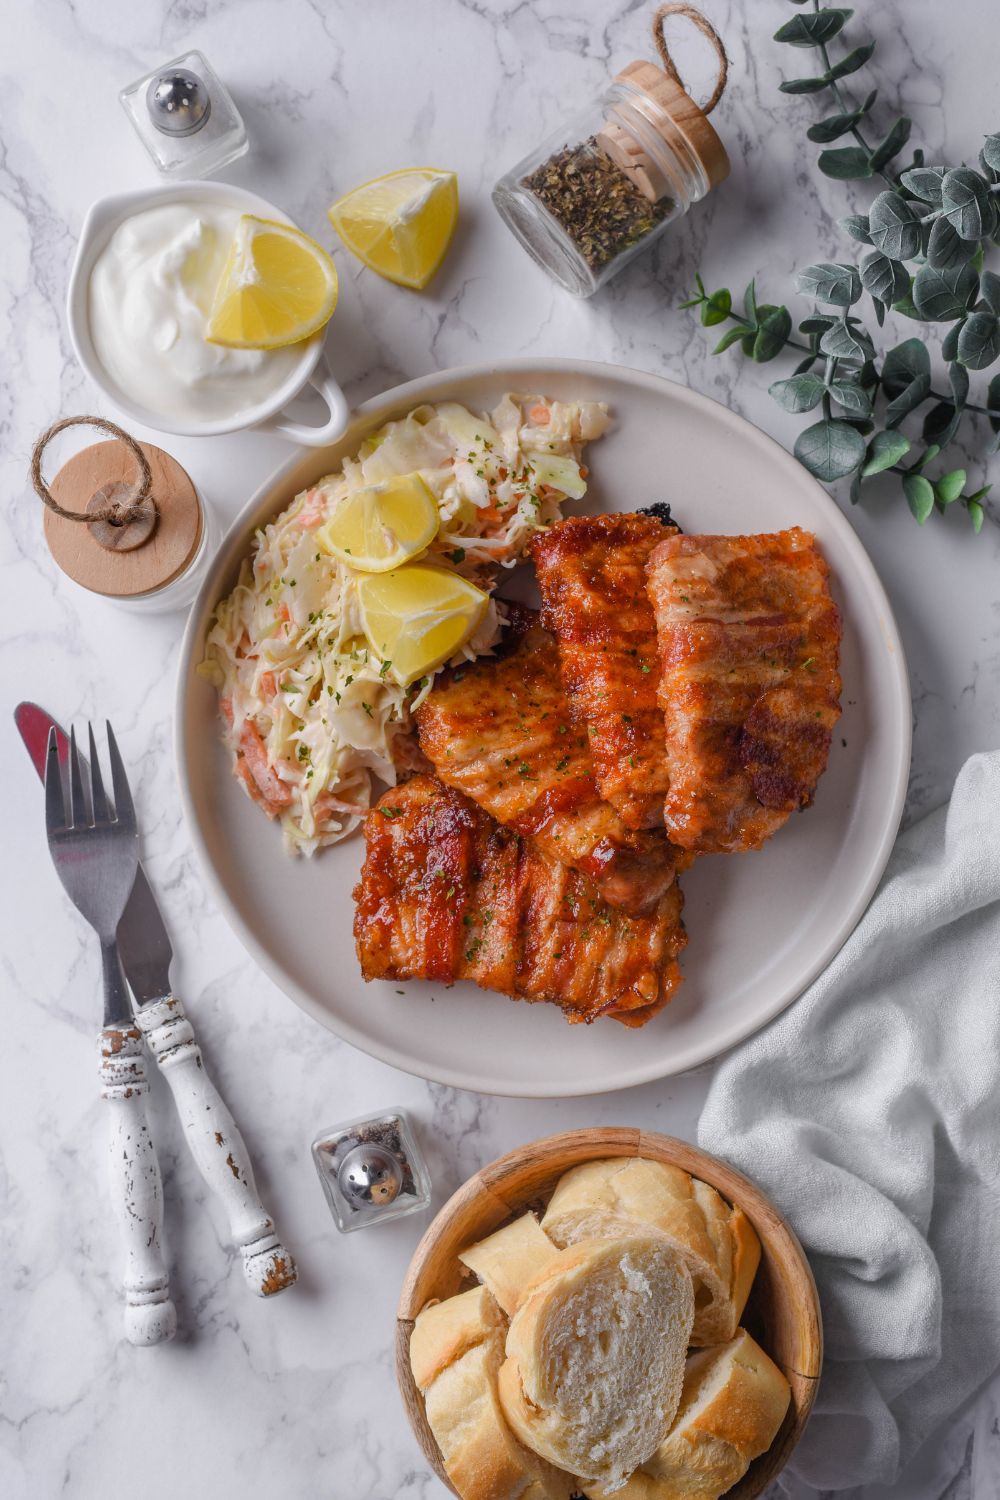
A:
{"x": 211, "y": 1133}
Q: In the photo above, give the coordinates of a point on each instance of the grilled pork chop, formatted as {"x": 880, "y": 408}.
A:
{"x": 501, "y": 732}
{"x": 447, "y": 894}
{"x": 749, "y": 641}
{"x": 591, "y": 571}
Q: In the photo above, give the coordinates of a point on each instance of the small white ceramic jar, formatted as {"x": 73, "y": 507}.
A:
{"x": 309, "y": 369}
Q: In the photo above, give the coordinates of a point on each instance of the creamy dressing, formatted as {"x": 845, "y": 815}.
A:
{"x": 151, "y": 292}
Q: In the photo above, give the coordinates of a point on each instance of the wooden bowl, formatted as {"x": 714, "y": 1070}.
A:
{"x": 782, "y": 1314}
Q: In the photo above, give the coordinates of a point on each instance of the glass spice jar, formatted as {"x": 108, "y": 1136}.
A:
{"x": 605, "y": 185}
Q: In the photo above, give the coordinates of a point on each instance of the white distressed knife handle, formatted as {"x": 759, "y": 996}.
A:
{"x": 135, "y": 1187}
{"x": 216, "y": 1145}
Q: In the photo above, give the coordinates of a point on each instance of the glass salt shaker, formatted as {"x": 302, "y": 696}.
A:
{"x": 372, "y": 1170}
{"x": 607, "y": 183}
{"x": 185, "y": 117}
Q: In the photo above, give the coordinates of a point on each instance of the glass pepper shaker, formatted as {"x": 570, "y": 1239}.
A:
{"x": 609, "y": 181}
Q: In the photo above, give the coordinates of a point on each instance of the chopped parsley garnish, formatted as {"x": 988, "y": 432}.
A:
{"x": 368, "y": 710}
{"x": 458, "y": 555}
{"x": 391, "y": 812}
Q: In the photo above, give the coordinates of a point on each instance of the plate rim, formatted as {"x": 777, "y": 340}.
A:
{"x": 639, "y": 1074}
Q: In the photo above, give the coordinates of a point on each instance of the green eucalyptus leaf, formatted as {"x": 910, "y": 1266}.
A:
{"x": 834, "y": 126}
{"x": 845, "y": 163}
{"x": 979, "y": 341}
{"x": 857, "y": 227}
{"x": 941, "y": 296}
{"x": 852, "y": 62}
{"x": 774, "y": 324}
{"x": 976, "y": 515}
{"x": 839, "y": 285}
{"x": 958, "y": 379}
{"x": 879, "y": 312}
{"x": 800, "y": 393}
{"x": 949, "y": 348}
{"x": 926, "y": 457}
{"x": 919, "y": 495}
{"x": 851, "y": 397}
{"x": 946, "y": 248}
{"x": 884, "y": 450}
{"x": 730, "y": 337}
{"x": 903, "y": 364}
{"x": 989, "y": 290}
{"x": 924, "y": 183}
{"x": 716, "y": 308}
{"x": 993, "y": 402}
{"x": 886, "y": 280}
{"x": 813, "y": 30}
{"x": 908, "y": 400}
{"x": 991, "y": 152}
{"x": 965, "y": 198}
{"x": 948, "y": 488}
{"x": 891, "y": 144}
{"x": 941, "y": 423}
{"x": 747, "y": 342}
{"x": 750, "y": 303}
{"x": 847, "y": 341}
{"x": 817, "y": 323}
{"x": 855, "y": 490}
{"x": 893, "y": 226}
{"x": 804, "y": 85}
{"x": 830, "y": 449}
{"x": 805, "y": 365}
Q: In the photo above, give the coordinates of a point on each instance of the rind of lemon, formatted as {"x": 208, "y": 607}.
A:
{"x": 381, "y": 526}
{"x": 417, "y": 617}
{"x": 278, "y": 287}
{"x": 400, "y": 225}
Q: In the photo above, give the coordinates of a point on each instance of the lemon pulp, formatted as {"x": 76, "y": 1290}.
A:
{"x": 378, "y": 527}
{"x": 400, "y": 225}
{"x": 417, "y": 617}
{"x": 277, "y": 287}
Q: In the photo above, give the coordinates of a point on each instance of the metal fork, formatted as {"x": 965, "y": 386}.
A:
{"x": 95, "y": 850}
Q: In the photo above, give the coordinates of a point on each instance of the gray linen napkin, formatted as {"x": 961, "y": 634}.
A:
{"x": 870, "y": 1112}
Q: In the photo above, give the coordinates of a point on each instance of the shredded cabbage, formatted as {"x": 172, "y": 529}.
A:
{"x": 311, "y": 713}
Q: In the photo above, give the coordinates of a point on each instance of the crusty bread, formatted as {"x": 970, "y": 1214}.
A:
{"x": 717, "y": 1241}
{"x": 595, "y": 1356}
{"x": 509, "y": 1260}
{"x": 733, "y": 1403}
{"x": 456, "y": 1349}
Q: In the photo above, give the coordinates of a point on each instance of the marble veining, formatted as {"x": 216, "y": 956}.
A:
{"x": 296, "y": 1397}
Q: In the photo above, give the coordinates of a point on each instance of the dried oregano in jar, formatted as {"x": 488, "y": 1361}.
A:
{"x": 608, "y": 183}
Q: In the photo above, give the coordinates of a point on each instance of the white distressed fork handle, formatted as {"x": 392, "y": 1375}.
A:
{"x": 136, "y": 1191}
{"x": 216, "y": 1145}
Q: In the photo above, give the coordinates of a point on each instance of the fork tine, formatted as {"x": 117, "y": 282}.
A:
{"x": 119, "y": 780}
{"x": 55, "y": 806}
{"x": 102, "y": 812}
{"x": 77, "y": 804}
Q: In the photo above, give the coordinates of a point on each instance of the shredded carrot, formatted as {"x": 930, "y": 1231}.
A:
{"x": 268, "y": 686}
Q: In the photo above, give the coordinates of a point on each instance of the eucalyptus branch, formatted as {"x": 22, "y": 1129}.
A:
{"x": 942, "y": 221}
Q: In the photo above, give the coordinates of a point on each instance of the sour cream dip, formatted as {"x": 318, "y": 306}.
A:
{"x": 149, "y": 298}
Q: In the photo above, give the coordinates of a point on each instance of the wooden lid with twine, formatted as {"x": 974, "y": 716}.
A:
{"x": 122, "y": 518}
{"x": 665, "y": 88}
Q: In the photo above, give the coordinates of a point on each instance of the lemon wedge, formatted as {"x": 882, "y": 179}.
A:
{"x": 277, "y": 287}
{"x": 378, "y": 527}
{"x": 417, "y": 617}
{"x": 401, "y": 224}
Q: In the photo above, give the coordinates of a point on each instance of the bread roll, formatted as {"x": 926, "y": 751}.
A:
{"x": 595, "y": 1356}
{"x": 717, "y": 1241}
{"x": 508, "y": 1261}
{"x": 456, "y": 1349}
{"x": 733, "y": 1403}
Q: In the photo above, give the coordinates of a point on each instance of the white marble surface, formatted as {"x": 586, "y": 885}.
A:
{"x": 297, "y": 1398}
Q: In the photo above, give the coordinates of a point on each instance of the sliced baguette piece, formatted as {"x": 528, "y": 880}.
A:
{"x": 733, "y": 1403}
{"x": 595, "y": 1356}
{"x": 509, "y": 1260}
{"x": 717, "y": 1241}
{"x": 456, "y": 1349}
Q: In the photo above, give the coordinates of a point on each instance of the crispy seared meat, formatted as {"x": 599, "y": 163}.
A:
{"x": 500, "y": 731}
{"x": 591, "y": 571}
{"x": 447, "y": 894}
{"x": 749, "y": 641}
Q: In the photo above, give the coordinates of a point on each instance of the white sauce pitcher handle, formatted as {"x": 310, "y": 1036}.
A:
{"x": 322, "y": 379}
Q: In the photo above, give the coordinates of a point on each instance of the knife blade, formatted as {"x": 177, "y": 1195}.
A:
{"x": 143, "y": 945}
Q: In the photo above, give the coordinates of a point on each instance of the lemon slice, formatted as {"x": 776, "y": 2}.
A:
{"x": 417, "y": 617}
{"x": 401, "y": 224}
{"x": 379, "y": 527}
{"x": 277, "y": 287}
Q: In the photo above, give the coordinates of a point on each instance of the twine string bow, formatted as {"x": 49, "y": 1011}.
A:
{"x": 116, "y": 513}
{"x": 707, "y": 30}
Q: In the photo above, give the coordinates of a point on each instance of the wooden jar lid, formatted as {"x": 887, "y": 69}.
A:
{"x": 691, "y": 121}
{"x": 151, "y": 562}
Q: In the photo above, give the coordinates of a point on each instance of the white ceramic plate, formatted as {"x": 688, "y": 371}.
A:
{"x": 761, "y": 926}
